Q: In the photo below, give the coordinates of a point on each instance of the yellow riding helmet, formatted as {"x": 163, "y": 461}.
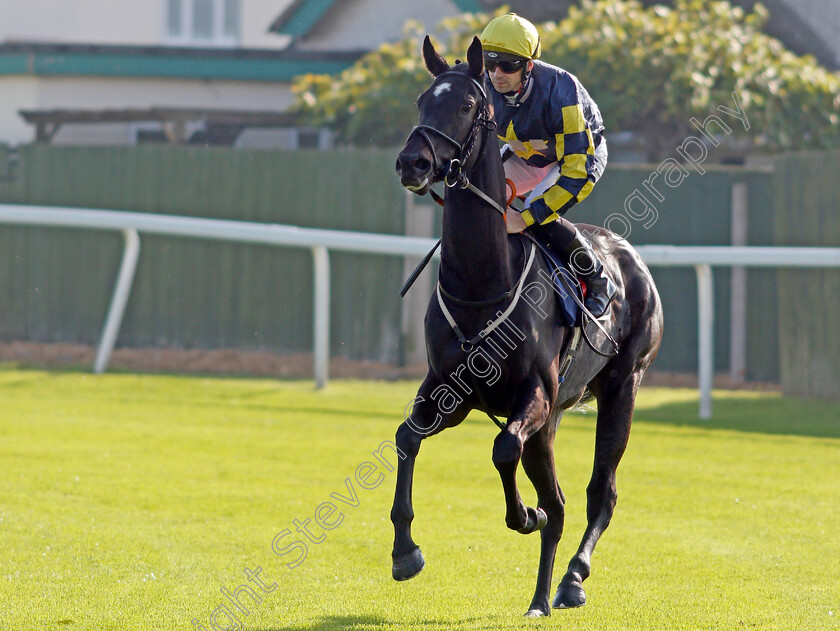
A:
{"x": 513, "y": 35}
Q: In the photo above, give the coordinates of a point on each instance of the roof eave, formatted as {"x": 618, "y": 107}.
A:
{"x": 300, "y": 17}
{"x": 168, "y": 62}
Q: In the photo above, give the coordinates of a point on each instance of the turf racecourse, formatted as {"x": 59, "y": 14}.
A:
{"x": 136, "y": 502}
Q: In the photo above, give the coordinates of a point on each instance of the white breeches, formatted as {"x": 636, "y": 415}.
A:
{"x": 534, "y": 181}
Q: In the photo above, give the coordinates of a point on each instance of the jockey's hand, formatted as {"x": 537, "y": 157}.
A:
{"x": 515, "y": 222}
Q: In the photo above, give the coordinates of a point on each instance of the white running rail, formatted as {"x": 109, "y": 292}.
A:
{"x": 319, "y": 242}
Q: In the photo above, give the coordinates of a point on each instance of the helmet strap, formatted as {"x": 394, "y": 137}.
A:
{"x": 526, "y": 75}
{"x": 515, "y": 99}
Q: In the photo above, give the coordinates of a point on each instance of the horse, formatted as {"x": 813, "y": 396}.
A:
{"x": 489, "y": 287}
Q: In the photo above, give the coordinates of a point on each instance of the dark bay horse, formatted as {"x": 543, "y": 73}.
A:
{"x": 497, "y": 342}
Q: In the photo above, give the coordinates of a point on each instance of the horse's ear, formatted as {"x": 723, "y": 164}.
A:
{"x": 475, "y": 58}
{"x": 434, "y": 62}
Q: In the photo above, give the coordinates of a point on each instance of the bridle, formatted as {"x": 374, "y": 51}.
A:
{"x": 453, "y": 174}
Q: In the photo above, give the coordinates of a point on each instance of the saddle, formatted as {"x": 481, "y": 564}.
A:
{"x": 563, "y": 281}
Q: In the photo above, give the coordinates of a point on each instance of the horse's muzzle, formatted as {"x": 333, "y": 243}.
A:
{"x": 415, "y": 171}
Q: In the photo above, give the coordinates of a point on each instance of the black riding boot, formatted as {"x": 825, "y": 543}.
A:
{"x": 600, "y": 289}
{"x": 564, "y": 238}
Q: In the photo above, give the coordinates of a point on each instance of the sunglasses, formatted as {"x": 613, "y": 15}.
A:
{"x": 508, "y": 67}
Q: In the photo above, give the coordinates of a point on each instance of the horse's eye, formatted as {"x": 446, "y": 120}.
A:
{"x": 466, "y": 107}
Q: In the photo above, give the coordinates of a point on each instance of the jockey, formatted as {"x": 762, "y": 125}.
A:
{"x": 555, "y": 151}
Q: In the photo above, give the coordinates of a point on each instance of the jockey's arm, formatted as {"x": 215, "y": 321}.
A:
{"x": 575, "y": 180}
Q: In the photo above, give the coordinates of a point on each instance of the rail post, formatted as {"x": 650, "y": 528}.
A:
{"x": 321, "y": 317}
{"x": 705, "y": 337}
{"x": 122, "y": 290}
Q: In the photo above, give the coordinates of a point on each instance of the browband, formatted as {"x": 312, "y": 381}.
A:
{"x": 477, "y": 83}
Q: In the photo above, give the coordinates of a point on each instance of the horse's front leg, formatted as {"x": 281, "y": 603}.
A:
{"x": 528, "y": 415}
{"x": 425, "y": 418}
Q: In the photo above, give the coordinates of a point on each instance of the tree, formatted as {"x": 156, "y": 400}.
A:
{"x": 650, "y": 69}
{"x": 371, "y": 103}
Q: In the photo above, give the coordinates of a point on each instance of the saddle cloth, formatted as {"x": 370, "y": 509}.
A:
{"x": 568, "y": 307}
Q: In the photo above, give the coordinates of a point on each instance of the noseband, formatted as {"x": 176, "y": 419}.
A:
{"x": 454, "y": 175}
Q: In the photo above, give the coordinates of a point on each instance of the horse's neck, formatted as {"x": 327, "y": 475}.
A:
{"x": 475, "y": 261}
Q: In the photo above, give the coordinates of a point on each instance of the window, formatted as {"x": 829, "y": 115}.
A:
{"x": 202, "y": 19}
{"x": 173, "y": 17}
{"x": 202, "y": 22}
{"x": 231, "y": 25}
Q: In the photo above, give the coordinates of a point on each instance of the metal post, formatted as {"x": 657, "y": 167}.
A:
{"x": 705, "y": 337}
{"x": 122, "y": 290}
{"x": 738, "y": 301}
{"x": 321, "y": 317}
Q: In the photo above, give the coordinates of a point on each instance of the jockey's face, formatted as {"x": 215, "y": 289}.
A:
{"x": 504, "y": 82}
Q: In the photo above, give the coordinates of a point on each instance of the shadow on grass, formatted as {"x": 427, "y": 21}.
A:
{"x": 362, "y": 622}
{"x": 765, "y": 414}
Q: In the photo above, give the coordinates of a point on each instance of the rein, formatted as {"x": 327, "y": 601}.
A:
{"x": 455, "y": 175}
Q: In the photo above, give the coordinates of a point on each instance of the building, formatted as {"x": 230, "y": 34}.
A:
{"x": 197, "y": 23}
{"x": 220, "y": 71}
{"x": 213, "y": 71}
{"x": 317, "y": 25}
{"x": 112, "y": 68}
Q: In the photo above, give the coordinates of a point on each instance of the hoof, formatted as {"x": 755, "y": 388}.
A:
{"x": 537, "y": 613}
{"x": 569, "y": 595}
{"x": 537, "y": 519}
{"x": 408, "y": 566}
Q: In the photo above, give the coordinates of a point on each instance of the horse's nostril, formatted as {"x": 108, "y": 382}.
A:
{"x": 412, "y": 165}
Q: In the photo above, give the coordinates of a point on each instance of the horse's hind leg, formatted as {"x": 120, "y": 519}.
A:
{"x": 615, "y": 412}
{"x": 538, "y": 462}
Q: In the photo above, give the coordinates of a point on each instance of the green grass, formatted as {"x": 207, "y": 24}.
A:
{"x": 129, "y": 502}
